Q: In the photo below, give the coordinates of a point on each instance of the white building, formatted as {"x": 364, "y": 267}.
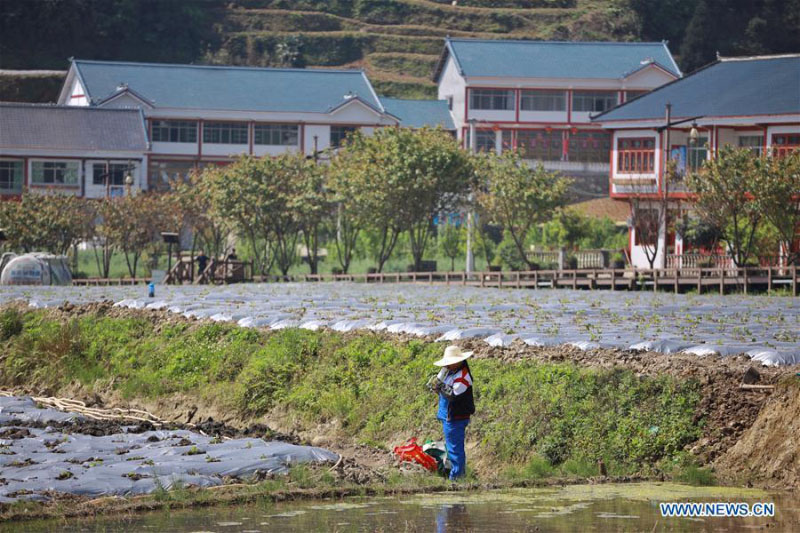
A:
{"x": 70, "y": 150}
{"x": 537, "y": 96}
{"x": 746, "y": 102}
{"x": 198, "y": 115}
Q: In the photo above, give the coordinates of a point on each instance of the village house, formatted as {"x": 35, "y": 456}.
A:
{"x": 85, "y": 151}
{"x": 538, "y": 97}
{"x": 748, "y": 102}
{"x": 199, "y": 115}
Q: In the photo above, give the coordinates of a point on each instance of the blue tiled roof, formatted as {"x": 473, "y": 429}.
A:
{"x": 226, "y": 88}
{"x": 420, "y": 113}
{"x": 555, "y": 59}
{"x": 729, "y": 87}
{"x": 45, "y": 126}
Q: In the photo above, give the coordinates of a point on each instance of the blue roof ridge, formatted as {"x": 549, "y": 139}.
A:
{"x": 537, "y": 41}
{"x": 412, "y": 99}
{"x": 66, "y": 106}
{"x": 759, "y": 57}
{"x": 218, "y": 67}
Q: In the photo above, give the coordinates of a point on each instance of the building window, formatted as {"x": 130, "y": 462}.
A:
{"x": 225, "y": 133}
{"x": 636, "y": 155}
{"x": 276, "y": 134}
{"x": 755, "y": 143}
{"x": 450, "y": 103}
{"x": 55, "y": 172}
{"x": 484, "y": 140}
{"x": 491, "y": 99}
{"x": 541, "y": 145}
{"x": 543, "y": 101}
{"x": 115, "y": 174}
{"x": 589, "y": 146}
{"x": 174, "y": 131}
{"x": 697, "y": 153}
{"x": 11, "y": 176}
{"x": 339, "y": 134}
{"x": 630, "y": 95}
{"x": 593, "y": 102}
{"x": 784, "y": 143}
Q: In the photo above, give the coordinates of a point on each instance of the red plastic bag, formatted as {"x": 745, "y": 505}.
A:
{"x": 412, "y": 452}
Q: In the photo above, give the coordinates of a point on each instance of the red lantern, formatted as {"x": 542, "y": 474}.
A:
{"x": 574, "y": 130}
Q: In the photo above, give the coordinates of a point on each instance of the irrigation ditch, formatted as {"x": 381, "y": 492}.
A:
{"x": 550, "y": 414}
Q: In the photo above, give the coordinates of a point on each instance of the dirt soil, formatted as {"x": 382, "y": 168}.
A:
{"x": 731, "y": 412}
{"x": 768, "y": 454}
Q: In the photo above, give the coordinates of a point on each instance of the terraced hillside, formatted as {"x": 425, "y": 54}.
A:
{"x": 398, "y": 41}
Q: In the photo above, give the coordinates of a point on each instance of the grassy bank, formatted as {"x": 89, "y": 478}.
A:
{"x": 534, "y": 419}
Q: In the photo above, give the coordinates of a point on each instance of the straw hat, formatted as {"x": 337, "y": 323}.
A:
{"x": 452, "y": 355}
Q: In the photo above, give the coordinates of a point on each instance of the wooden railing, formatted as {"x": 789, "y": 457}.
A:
{"x": 766, "y": 278}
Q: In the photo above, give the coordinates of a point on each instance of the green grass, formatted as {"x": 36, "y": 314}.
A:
{"x": 539, "y": 417}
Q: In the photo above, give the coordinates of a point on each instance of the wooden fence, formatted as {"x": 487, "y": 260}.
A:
{"x": 720, "y": 280}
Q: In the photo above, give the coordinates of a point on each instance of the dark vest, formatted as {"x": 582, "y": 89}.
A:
{"x": 461, "y": 407}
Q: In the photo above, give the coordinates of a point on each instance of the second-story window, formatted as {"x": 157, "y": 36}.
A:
{"x": 593, "y": 101}
{"x": 491, "y": 99}
{"x": 697, "y": 153}
{"x": 784, "y": 143}
{"x": 174, "y": 131}
{"x": 339, "y": 134}
{"x": 543, "y": 101}
{"x": 225, "y": 133}
{"x": 276, "y": 134}
{"x": 636, "y": 155}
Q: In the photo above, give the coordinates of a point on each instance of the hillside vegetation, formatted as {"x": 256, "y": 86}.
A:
{"x": 397, "y": 41}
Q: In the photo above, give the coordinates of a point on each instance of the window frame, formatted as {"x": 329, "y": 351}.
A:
{"x": 783, "y": 148}
{"x": 593, "y": 96}
{"x": 223, "y": 132}
{"x": 112, "y": 169}
{"x": 47, "y": 166}
{"x": 693, "y": 151}
{"x": 757, "y": 148}
{"x": 340, "y": 135}
{"x": 554, "y": 143}
{"x": 531, "y": 95}
{"x": 271, "y": 131}
{"x": 633, "y": 159}
{"x": 17, "y": 174}
{"x": 176, "y": 131}
{"x": 488, "y": 98}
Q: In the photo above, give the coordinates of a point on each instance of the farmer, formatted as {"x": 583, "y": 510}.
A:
{"x": 456, "y": 405}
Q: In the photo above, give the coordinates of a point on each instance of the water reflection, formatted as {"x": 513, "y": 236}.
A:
{"x": 453, "y": 519}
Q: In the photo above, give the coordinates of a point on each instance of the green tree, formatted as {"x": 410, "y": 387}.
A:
{"x": 451, "y": 242}
{"x": 723, "y": 197}
{"x": 400, "y": 179}
{"x": 311, "y": 203}
{"x": 48, "y": 222}
{"x": 777, "y": 193}
{"x": 131, "y": 224}
{"x": 520, "y": 197}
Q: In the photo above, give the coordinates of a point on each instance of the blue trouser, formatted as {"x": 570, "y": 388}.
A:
{"x": 454, "y": 442}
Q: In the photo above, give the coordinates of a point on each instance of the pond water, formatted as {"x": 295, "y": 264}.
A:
{"x": 631, "y": 507}
{"x": 767, "y": 328}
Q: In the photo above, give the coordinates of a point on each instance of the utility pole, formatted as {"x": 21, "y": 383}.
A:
{"x": 473, "y": 143}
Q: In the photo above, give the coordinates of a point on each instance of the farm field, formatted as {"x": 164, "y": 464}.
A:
{"x": 766, "y": 328}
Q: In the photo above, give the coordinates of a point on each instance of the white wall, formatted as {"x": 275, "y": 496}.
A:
{"x": 451, "y": 83}
{"x": 224, "y": 150}
{"x": 323, "y": 133}
{"x": 77, "y": 94}
{"x": 622, "y": 134}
